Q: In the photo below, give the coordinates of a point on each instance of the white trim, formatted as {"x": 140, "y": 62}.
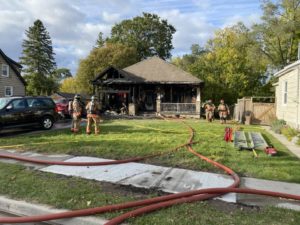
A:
{"x": 2, "y": 69}
{"x": 287, "y": 69}
{"x": 11, "y": 91}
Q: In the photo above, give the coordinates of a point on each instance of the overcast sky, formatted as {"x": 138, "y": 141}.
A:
{"x": 74, "y": 24}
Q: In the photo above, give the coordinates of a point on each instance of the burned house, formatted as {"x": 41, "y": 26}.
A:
{"x": 150, "y": 86}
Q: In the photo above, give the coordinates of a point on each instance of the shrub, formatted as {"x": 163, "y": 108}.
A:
{"x": 289, "y": 132}
{"x": 277, "y": 125}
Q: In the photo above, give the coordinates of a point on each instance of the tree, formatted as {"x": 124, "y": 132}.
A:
{"x": 187, "y": 60}
{"x": 149, "y": 34}
{"x": 38, "y": 59}
{"x": 230, "y": 66}
{"x": 118, "y": 55}
{"x": 69, "y": 85}
{"x": 100, "y": 41}
{"x": 61, "y": 74}
{"x": 279, "y": 33}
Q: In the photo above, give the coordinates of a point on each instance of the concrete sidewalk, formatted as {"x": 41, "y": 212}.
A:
{"x": 295, "y": 149}
{"x": 166, "y": 179}
{"x": 9, "y": 207}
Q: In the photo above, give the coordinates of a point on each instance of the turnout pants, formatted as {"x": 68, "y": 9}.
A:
{"x": 76, "y": 120}
{"x": 209, "y": 115}
{"x": 92, "y": 118}
{"x": 223, "y": 116}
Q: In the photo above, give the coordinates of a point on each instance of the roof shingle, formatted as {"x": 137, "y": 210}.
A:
{"x": 155, "y": 70}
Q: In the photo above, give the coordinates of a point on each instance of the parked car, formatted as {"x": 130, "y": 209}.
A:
{"x": 62, "y": 108}
{"x": 27, "y": 112}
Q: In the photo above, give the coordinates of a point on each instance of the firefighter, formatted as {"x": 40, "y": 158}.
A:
{"x": 77, "y": 110}
{"x": 70, "y": 111}
{"x": 223, "y": 110}
{"x": 93, "y": 110}
{"x": 209, "y": 110}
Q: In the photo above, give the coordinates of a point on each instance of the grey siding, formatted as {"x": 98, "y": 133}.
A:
{"x": 12, "y": 80}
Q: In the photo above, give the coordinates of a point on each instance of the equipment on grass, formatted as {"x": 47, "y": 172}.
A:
{"x": 252, "y": 141}
{"x": 228, "y": 134}
{"x": 270, "y": 150}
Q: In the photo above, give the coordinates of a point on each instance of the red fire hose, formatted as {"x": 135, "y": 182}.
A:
{"x": 149, "y": 205}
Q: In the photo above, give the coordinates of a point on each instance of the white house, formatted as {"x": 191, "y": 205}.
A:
{"x": 288, "y": 94}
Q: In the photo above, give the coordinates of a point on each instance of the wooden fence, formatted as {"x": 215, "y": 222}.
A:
{"x": 260, "y": 111}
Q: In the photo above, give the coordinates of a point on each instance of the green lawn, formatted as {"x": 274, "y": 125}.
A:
{"x": 127, "y": 138}
{"x": 121, "y": 139}
{"x": 74, "y": 193}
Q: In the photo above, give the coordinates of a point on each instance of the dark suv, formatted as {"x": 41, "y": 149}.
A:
{"x": 27, "y": 112}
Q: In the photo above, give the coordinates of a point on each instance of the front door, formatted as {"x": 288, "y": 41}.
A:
{"x": 150, "y": 101}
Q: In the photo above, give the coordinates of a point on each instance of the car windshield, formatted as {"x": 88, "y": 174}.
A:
{"x": 3, "y": 102}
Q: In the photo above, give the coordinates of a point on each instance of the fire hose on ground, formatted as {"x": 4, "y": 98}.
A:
{"x": 147, "y": 205}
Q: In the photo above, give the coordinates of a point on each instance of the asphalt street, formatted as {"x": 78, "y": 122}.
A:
{"x": 61, "y": 124}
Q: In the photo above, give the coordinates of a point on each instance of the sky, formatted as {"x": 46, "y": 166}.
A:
{"x": 74, "y": 24}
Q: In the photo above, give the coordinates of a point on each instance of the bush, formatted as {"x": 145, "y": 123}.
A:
{"x": 289, "y": 132}
{"x": 277, "y": 125}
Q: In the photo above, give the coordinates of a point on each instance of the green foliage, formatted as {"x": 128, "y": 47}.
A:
{"x": 289, "y": 132}
{"x": 100, "y": 42}
{"x": 115, "y": 54}
{"x": 149, "y": 34}
{"x": 240, "y": 61}
{"x": 230, "y": 66}
{"x": 187, "y": 60}
{"x": 61, "y": 74}
{"x": 38, "y": 60}
{"x": 277, "y": 125}
{"x": 278, "y": 34}
{"x": 69, "y": 85}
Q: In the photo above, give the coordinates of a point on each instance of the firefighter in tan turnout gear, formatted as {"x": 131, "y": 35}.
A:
{"x": 223, "y": 111}
{"x": 76, "y": 108}
{"x": 209, "y": 110}
{"x": 93, "y": 110}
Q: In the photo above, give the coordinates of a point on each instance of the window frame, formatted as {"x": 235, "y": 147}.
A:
{"x": 2, "y": 69}
{"x": 11, "y": 90}
{"x": 285, "y": 93}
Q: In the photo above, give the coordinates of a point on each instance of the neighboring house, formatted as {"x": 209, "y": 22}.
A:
{"x": 11, "y": 81}
{"x": 288, "y": 94}
{"x": 152, "y": 85}
{"x": 64, "y": 96}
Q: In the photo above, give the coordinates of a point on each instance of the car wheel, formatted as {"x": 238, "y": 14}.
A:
{"x": 47, "y": 123}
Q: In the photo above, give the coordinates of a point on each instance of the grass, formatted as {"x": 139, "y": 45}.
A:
{"x": 121, "y": 139}
{"x": 289, "y": 132}
{"x": 74, "y": 193}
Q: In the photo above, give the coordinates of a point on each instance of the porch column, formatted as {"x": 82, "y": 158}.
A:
{"x": 198, "y": 101}
{"x": 133, "y": 95}
{"x": 158, "y": 102}
{"x": 132, "y": 107}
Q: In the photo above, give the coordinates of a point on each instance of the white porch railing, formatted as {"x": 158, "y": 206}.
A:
{"x": 183, "y": 108}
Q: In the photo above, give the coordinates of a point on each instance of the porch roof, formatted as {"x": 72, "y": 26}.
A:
{"x": 153, "y": 70}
